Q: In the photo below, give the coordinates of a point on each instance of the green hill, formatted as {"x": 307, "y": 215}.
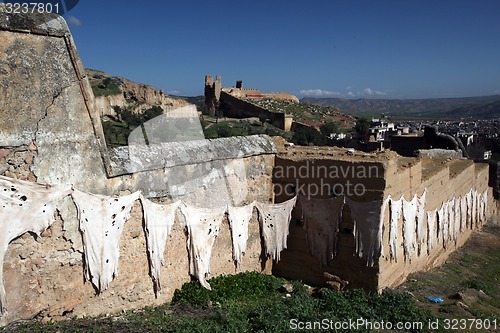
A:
{"x": 484, "y": 107}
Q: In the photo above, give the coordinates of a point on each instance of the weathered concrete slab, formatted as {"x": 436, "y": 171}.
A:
{"x": 435, "y": 153}
{"x": 139, "y": 158}
{"x": 41, "y": 23}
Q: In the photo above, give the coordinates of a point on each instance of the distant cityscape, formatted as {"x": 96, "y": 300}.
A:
{"x": 480, "y": 137}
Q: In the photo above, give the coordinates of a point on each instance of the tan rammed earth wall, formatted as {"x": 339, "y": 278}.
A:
{"x": 444, "y": 180}
{"x": 399, "y": 176}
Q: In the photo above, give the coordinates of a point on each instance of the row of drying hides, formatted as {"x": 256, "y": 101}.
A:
{"x": 422, "y": 229}
{"x": 30, "y": 207}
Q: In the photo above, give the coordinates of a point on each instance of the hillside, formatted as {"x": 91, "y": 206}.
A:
{"x": 484, "y": 107}
{"x": 124, "y": 105}
{"x": 113, "y": 91}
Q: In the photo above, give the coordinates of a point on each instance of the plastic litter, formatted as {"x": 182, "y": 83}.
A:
{"x": 435, "y": 299}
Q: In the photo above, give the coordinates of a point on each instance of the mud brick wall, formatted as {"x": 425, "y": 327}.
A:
{"x": 442, "y": 179}
{"x": 358, "y": 178}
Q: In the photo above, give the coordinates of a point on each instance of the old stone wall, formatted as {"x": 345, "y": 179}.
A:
{"x": 320, "y": 173}
{"x": 50, "y": 132}
{"x": 44, "y": 275}
{"x": 443, "y": 179}
{"x": 238, "y": 108}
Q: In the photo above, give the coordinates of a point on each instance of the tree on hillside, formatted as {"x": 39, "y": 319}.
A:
{"x": 362, "y": 127}
{"x": 329, "y": 128}
{"x": 307, "y": 136}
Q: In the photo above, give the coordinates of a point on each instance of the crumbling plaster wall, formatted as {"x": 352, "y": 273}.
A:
{"x": 46, "y": 101}
{"x": 398, "y": 176}
{"x": 50, "y": 132}
{"x": 444, "y": 179}
{"x": 345, "y": 172}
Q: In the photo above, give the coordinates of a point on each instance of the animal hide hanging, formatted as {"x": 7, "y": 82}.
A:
{"x": 202, "y": 226}
{"x": 275, "y": 225}
{"x": 321, "y": 225}
{"x": 457, "y": 217}
{"x": 101, "y": 222}
{"x": 483, "y": 207}
{"x": 368, "y": 228}
{"x": 25, "y": 207}
{"x": 158, "y": 222}
{"x": 463, "y": 213}
{"x": 468, "y": 198}
{"x": 396, "y": 207}
{"x": 409, "y": 221}
{"x": 474, "y": 210}
{"x": 431, "y": 229}
{"x": 420, "y": 220}
{"x": 239, "y": 218}
{"x": 480, "y": 210}
{"x": 451, "y": 219}
{"x": 444, "y": 223}
{"x": 385, "y": 206}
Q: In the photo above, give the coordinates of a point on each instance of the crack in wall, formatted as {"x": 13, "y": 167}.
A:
{"x": 55, "y": 96}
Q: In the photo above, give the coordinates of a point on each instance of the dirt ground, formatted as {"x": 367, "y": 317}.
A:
{"x": 469, "y": 282}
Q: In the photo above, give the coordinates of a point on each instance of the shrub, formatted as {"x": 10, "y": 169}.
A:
{"x": 241, "y": 287}
{"x": 106, "y": 87}
{"x": 307, "y": 136}
{"x": 328, "y": 128}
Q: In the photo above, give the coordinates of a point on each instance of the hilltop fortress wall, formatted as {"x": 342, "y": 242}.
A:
{"x": 237, "y": 103}
{"x": 235, "y": 107}
{"x": 50, "y": 133}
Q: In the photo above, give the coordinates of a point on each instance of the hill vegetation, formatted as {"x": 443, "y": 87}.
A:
{"x": 485, "y": 107}
{"x": 321, "y": 122}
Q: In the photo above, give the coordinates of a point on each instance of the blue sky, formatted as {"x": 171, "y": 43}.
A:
{"x": 334, "y": 48}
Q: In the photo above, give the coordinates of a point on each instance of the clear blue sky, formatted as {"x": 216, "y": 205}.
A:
{"x": 331, "y": 48}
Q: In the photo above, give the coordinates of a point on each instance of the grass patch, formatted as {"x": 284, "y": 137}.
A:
{"x": 252, "y": 302}
{"x": 468, "y": 282}
{"x": 247, "y": 302}
{"x": 213, "y": 129}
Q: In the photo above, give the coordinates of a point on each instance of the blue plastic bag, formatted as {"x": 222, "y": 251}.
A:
{"x": 435, "y": 299}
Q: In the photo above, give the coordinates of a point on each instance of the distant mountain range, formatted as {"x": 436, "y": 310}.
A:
{"x": 484, "y": 107}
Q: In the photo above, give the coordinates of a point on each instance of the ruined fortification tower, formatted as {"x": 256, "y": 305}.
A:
{"x": 212, "y": 94}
